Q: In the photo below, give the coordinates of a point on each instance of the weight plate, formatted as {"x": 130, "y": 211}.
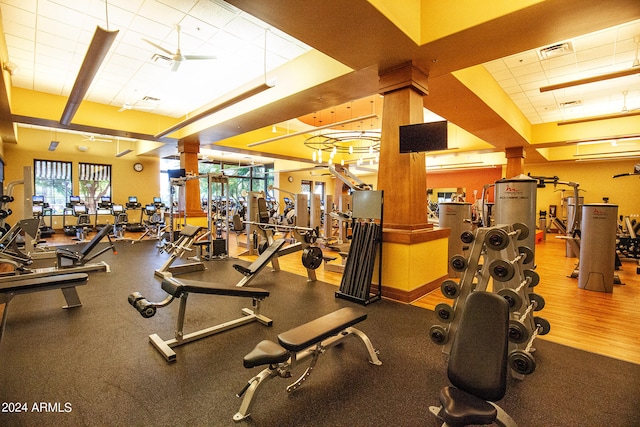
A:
{"x": 501, "y": 270}
{"x": 496, "y": 239}
{"x": 438, "y": 335}
{"x": 524, "y": 230}
{"x": 467, "y": 237}
{"x": 312, "y": 257}
{"x": 444, "y": 312}
{"x": 527, "y": 253}
{"x": 518, "y": 332}
{"x": 539, "y": 301}
{"x": 458, "y": 263}
{"x": 535, "y": 277}
{"x": 450, "y": 289}
{"x": 543, "y": 324}
{"x": 522, "y": 362}
{"x": 512, "y": 297}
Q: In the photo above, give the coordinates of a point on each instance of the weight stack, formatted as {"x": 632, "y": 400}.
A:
{"x": 457, "y": 217}
{"x": 515, "y": 202}
{"x": 598, "y": 247}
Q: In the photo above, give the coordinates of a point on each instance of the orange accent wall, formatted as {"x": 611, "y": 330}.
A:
{"x": 473, "y": 179}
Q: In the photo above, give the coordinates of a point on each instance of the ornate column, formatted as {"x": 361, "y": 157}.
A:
{"x": 189, "y": 161}
{"x": 402, "y": 176}
{"x": 415, "y": 253}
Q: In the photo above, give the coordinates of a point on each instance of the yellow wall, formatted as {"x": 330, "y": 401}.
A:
{"x": 596, "y": 179}
{"x": 422, "y": 263}
{"x": 33, "y": 144}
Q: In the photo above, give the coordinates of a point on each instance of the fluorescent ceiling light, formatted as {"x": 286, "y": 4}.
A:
{"x": 123, "y": 153}
{"x": 98, "y": 49}
{"x": 614, "y": 75}
{"x": 53, "y": 145}
{"x": 220, "y": 106}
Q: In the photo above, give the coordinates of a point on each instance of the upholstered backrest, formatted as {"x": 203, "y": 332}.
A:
{"x": 478, "y": 357}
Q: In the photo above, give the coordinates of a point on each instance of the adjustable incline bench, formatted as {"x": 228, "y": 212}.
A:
{"x": 66, "y": 282}
{"x": 260, "y": 262}
{"x": 297, "y": 344}
{"x": 68, "y": 258}
{"x": 186, "y": 239}
{"x": 181, "y": 289}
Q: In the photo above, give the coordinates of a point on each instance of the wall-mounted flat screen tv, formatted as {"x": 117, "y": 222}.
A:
{"x": 423, "y": 137}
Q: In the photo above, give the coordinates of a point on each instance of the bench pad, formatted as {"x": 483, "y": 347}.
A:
{"x": 43, "y": 283}
{"x": 266, "y": 352}
{"x": 311, "y": 333}
{"x": 176, "y": 287}
{"x": 262, "y": 260}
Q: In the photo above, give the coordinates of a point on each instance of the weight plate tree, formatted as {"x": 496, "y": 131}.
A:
{"x": 497, "y": 256}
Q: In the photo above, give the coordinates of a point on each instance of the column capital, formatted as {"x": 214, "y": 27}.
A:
{"x": 188, "y": 146}
{"x": 515, "y": 153}
{"x": 404, "y": 76}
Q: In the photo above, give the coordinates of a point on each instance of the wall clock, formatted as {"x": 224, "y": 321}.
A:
{"x": 138, "y": 167}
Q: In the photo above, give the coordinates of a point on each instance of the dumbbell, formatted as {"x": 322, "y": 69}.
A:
{"x": 6, "y": 199}
{"x": 498, "y": 239}
{"x": 140, "y": 303}
{"x": 467, "y": 237}
{"x": 4, "y": 213}
{"x": 518, "y": 332}
{"x": 445, "y": 312}
{"x": 522, "y": 361}
{"x": 458, "y": 263}
{"x": 450, "y": 289}
{"x": 438, "y": 335}
{"x": 512, "y": 296}
{"x": 503, "y": 270}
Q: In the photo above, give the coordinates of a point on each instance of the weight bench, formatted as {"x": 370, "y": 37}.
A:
{"x": 183, "y": 244}
{"x": 66, "y": 282}
{"x": 260, "y": 262}
{"x": 81, "y": 257}
{"x": 181, "y": 289}
{"x": 298, "y": 344}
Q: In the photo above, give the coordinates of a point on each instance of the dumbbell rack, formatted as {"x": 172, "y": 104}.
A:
{"x": 495, "y": 258}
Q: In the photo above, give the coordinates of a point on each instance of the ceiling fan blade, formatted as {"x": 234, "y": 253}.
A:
{"x": 157, "y": 46}
{"x": 175, "y": 65}
{"x": 191, "y": 57}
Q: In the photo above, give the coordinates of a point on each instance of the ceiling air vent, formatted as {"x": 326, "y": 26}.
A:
{"x": 558, "y": 49}
{"x": 570, "y": 104}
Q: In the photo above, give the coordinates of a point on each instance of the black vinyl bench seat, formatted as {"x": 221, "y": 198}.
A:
{"x": 262, "y": 260}
{"x": 178, "y": 287}
{"x": 303, "y": 337}
{"x": 38, "y": 284}
{"x": 317, "y": 330}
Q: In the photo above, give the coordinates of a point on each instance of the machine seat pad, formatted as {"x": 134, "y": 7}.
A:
{"x": 313, "y": 332}
{"x": 43, "y": 283}
{"x": 265, "y": 353}
{"x": 190, "y": 230}
{"x": 262, "y": 260}
{"x": 176, "y": 287}
{"x": 462, "y": 408}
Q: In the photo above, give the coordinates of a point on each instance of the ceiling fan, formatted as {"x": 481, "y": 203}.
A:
{"x": 176, "y": 58}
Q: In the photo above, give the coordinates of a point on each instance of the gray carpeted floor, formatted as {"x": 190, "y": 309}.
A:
{"x": 94, "y": 365}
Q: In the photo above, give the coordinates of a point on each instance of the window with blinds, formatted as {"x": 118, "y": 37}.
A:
{"x": 53, "y": 180}
{"x": 94, "y": 181}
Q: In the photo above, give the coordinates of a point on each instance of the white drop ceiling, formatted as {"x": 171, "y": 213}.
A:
{"x": 48, "y": 39}
{"x": 614, "y": 49}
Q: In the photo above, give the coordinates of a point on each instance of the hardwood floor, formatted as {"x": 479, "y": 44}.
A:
{"x": 603, "y": 323}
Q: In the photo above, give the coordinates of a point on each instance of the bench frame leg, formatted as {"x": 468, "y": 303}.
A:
{"x": 284, "y": 369}
{"x": 166, "y": 347}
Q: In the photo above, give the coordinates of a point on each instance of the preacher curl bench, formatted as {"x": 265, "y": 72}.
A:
{"x": 297, "y": 344}
{"x": 477, "y": 365}
{"x": 181, "y": 289}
